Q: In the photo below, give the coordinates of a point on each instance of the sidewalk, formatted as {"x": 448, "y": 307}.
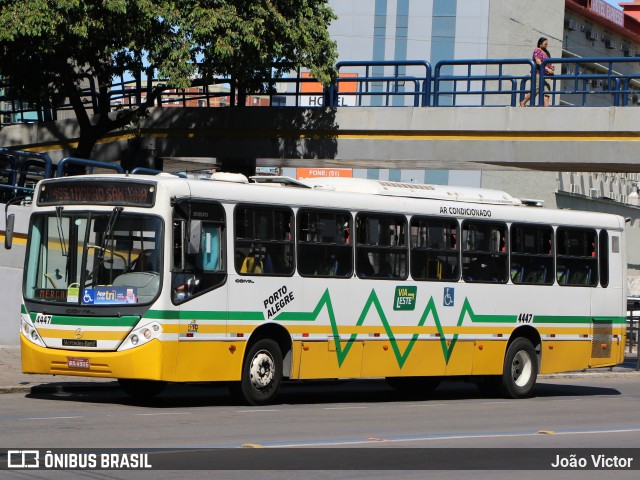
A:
{"x": 12, "y": 380}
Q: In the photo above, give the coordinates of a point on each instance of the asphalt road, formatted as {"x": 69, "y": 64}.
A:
{"x": 587, "y": 412}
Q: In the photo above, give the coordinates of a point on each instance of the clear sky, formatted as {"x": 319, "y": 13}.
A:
{"x": 615, "y": 3}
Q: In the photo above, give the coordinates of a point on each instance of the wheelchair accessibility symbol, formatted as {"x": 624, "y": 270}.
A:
{"x": 87, "y": 296}
{"x": 449, "y": 298}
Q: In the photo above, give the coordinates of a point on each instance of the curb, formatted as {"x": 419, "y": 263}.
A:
{"x": 629, "y": 374}
{"x": 58, "y": 388}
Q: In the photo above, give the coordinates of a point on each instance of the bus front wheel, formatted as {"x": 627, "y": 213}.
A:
{"x": 261, "y": 374}
{"x": 520, "y": 369}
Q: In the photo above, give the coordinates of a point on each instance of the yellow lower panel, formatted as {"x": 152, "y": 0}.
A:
{"x": 320, "y": 360}
{"x": 461, "y": 358}
{"x": 565, "y": 356}
{"x": 381, "y": 360}
{"x": 488, "y": 357}
{"x": 209, "y": 361}
{"x": 144, "y": 362}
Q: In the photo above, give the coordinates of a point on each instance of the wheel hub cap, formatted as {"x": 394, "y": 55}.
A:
{"x": 521, "y": 368}
{"x": 262, "y": 370}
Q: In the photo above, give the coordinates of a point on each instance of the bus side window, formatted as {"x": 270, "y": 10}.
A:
{"x": 577, "y": 262}
{"x": 324, "y": 243}
{"x": 531, "y": 254}
{"x": 434, "y": 249}
{"x": 263, "y": 240}
{"x": 381, "y": 246}
{"x": 209, "y": 258}
{"x": 483, "y": 258}
{"x": 604, "y": 258}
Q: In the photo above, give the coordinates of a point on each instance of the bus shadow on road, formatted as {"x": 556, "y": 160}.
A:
{"x": 305, "y": 393}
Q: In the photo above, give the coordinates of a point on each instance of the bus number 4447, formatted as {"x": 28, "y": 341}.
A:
{"x": 525, "y": 318}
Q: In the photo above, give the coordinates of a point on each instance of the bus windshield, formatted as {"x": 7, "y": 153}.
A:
{"x": 91, "y": 258}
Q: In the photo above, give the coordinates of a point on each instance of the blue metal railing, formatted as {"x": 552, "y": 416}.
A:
{"x": 378, "y": 83}
{"x": 91, "y": 164}
{"x": 473, "y": 82}
{"x": 481, "y": 84}
{"x": 20, "y": 171}
{"x": 583, "y": 79}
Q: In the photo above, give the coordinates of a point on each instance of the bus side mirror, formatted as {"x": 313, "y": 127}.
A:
{"x": 195, "y": 233}
{"x": 8, "y": 236}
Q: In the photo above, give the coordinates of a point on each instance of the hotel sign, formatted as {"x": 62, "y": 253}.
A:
{"x": 607, "y": 11}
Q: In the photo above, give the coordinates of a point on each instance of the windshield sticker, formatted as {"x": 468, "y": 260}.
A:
{"x": 73, "y": 294}
{"x": 109, "y": 295}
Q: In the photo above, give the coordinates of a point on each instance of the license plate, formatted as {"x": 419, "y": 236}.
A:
{"x": 74, "y": 362}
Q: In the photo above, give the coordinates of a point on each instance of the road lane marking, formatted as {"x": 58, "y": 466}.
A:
{"x": 161, "y": 413}
{"x": 53, "y": 418}
{"x": 343, "y": 408}
{"x": 258, "y": 410}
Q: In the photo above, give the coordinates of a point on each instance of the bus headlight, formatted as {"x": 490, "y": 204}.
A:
{"x": 141, "y": 335}
{"x": 30, "y": 333}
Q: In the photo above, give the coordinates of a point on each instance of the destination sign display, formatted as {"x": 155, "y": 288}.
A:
{"x": 98, "y": 192}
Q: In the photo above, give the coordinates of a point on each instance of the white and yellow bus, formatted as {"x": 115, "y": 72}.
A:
{"x": 155, "y": 279}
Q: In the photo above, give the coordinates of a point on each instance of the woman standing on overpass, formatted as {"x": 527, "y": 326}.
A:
{"x": 540, "y": 54}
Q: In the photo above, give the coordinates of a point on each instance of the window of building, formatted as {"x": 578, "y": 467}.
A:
{"x": 532, "y": 254}
{"x": 263, "y": 240}
{"x": 434, "y": 249}
{"x": 381, "y": 247}
{"x": 576, "y": 263}
{"x": 324, "y": 243}
{"x": 484, "y": 252}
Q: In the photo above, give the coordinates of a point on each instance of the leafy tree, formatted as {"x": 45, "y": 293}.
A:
{"x": 49, "y": 49}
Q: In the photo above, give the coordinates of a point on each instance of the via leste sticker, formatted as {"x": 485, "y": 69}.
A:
{"x": 405, "y": 298}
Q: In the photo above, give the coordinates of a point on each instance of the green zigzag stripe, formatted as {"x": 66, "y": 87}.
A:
{"x": 373, "y": 301}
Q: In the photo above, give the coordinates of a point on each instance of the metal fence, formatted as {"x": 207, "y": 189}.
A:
{"x": 474, "y": 82}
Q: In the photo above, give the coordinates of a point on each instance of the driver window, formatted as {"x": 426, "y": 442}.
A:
{"x": 199, "y": 248}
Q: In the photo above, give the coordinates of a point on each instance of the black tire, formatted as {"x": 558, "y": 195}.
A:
{"x": 261, "y": 374}
{"x": 520, "y": 369}
{"x": 142, "y": 389}
{"x": 417, "y": 385}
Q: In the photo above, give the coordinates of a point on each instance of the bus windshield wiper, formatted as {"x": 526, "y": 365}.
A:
{"x": 111, "y": 223}
{"x": 63, "y": 245}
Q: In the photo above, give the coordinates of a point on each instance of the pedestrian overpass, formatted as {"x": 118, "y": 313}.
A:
{"x": 554, "y": 139}
{"x": 459, "y": 114}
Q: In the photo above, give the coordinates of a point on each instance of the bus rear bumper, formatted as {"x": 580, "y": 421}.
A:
{"x": 144, "y": 362}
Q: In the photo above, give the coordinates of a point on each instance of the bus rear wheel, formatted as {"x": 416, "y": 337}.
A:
{"x": 261, "y": 374}
{"x": 141, "y": 389}
{"x": 520, "y": 369}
